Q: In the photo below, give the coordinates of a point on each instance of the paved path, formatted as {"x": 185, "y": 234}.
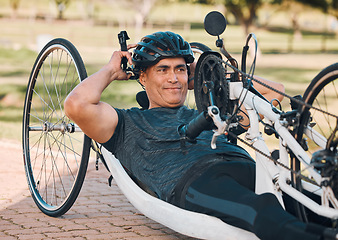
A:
{"x": 100, "y": 212}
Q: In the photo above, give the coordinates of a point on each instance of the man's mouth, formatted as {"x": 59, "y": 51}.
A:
{"x": 172, "y": 88}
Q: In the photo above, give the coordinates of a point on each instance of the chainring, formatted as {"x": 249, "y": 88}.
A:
{"x": 210, "y": 75}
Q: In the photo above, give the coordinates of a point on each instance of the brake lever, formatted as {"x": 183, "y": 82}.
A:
{"x": 221, "y": 125}
{"x": 123, "y": 37}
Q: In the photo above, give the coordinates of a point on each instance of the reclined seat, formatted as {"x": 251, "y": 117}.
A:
{"x": 183, "y": 221}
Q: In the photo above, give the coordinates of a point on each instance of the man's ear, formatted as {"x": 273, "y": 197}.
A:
{"x": 142, "y": 78}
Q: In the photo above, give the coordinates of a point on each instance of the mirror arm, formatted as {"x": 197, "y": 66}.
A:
{"x": 219, "y": 42}
{"x": 229, "y": 57}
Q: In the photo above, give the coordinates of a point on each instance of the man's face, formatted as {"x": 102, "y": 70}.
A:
{"x": 166, "y": 83}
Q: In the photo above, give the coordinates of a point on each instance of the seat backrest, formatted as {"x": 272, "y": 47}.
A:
{"x": 142, "y": 99}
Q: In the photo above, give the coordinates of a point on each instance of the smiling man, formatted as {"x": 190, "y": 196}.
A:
{"x": 166, "y": 83}
{"x": 219, "y": 182}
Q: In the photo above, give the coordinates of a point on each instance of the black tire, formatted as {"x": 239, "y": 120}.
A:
{"x": 198, "y": 49}
{"x": 55, "y": 150}
{"x": 322, "y": 93}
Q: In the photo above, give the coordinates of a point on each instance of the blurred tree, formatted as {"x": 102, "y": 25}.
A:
{"x": 204, "y": 1}
{"x": 89, "y": 8}
{"x": 295, "y": 7}
{"x": 333, "y": 10}
{"x": 210, "y": 2}
{"x": 326, "y": 6}
{"x": 61, "y": 6}
{"x": 142, "y": 10}
{"x": 14, "y": 5}
{"x": 244, "y": 11}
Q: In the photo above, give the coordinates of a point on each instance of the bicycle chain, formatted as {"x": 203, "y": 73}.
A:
{"x": 250, "y": 77}
{"x": 274, "y": 160}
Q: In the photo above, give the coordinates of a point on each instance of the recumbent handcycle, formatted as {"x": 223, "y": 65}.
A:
{"x": 56, "y": 152}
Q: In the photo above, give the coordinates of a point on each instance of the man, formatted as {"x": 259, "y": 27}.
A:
{"x": 217, "y": 182}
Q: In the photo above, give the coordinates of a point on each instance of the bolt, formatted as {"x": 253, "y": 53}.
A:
{"x": 325, "y": 183}
{"x": 288, "y": 182}
{"x": 214, "y": 110}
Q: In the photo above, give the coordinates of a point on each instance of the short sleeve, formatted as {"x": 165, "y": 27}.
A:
{"x": 117, "y": 138}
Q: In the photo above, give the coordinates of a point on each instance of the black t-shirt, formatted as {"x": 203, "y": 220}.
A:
{"x": 147, "y": 143}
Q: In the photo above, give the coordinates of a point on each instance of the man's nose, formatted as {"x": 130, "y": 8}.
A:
{"x": 172, "y": 78}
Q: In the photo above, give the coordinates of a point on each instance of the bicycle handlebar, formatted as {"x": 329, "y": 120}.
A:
{"x": 194, "y": 128}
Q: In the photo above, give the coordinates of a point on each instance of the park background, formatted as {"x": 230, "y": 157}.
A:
{"x": 296, "y": 40}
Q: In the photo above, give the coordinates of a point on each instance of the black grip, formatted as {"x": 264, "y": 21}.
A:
{"x": 123, "y": 37}
{"x": 244, "y": 54}
{"x": 194, "y": 128}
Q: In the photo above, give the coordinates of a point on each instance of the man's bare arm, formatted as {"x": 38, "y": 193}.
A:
{"x": 97, "y": 119}
{"x": 267, "y": 93}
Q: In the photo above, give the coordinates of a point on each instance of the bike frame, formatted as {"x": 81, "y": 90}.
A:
{"x": 271, "y": 177}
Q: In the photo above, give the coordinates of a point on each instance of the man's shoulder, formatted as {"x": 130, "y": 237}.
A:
{"x": 159, "y": 110}
{"x": 128, "y": 111}
{"x": 157, "y": 116}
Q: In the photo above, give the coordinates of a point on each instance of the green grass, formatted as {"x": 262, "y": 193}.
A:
{"x": 16, "y": 63}
{"x": 288, "y": 75}
{"x": 11, "y": 114}
{"x": 16, "y": 56}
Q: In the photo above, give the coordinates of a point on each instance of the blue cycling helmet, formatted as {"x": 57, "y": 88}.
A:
{"x": 152, "y": 48}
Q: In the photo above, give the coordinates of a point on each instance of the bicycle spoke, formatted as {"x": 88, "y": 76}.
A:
{"x": 59, "y": 144}
{"x": 43, "y": 101}
{"x": 65, "y": 145}
{"x": 55, "y": 79}
{"x": 72, "y": 149}
{"x": 57, "y": 171}
{"x": 37, "y": 148}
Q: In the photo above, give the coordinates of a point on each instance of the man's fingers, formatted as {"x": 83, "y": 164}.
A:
{"x": 132, "y": 45}
{"x": 127, "y": 55}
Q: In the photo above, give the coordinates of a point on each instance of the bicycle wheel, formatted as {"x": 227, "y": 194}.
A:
{"x": 55, "y": 150}
{"x": 198, "y": 49}
{"x": 322, "y": 93}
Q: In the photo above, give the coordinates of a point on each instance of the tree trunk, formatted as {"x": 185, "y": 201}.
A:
{"x": 297, "y": 34}
{"x": 142, "y": 11}
{"x": 14, "y": 5}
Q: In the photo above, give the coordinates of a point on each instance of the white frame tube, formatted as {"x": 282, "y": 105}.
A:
{"x": 258, "y": 105}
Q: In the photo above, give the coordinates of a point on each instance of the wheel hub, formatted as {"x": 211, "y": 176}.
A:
{"x": 63, "y": 127}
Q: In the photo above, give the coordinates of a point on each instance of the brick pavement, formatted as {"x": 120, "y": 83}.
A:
{"x": 100, "y": 212}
